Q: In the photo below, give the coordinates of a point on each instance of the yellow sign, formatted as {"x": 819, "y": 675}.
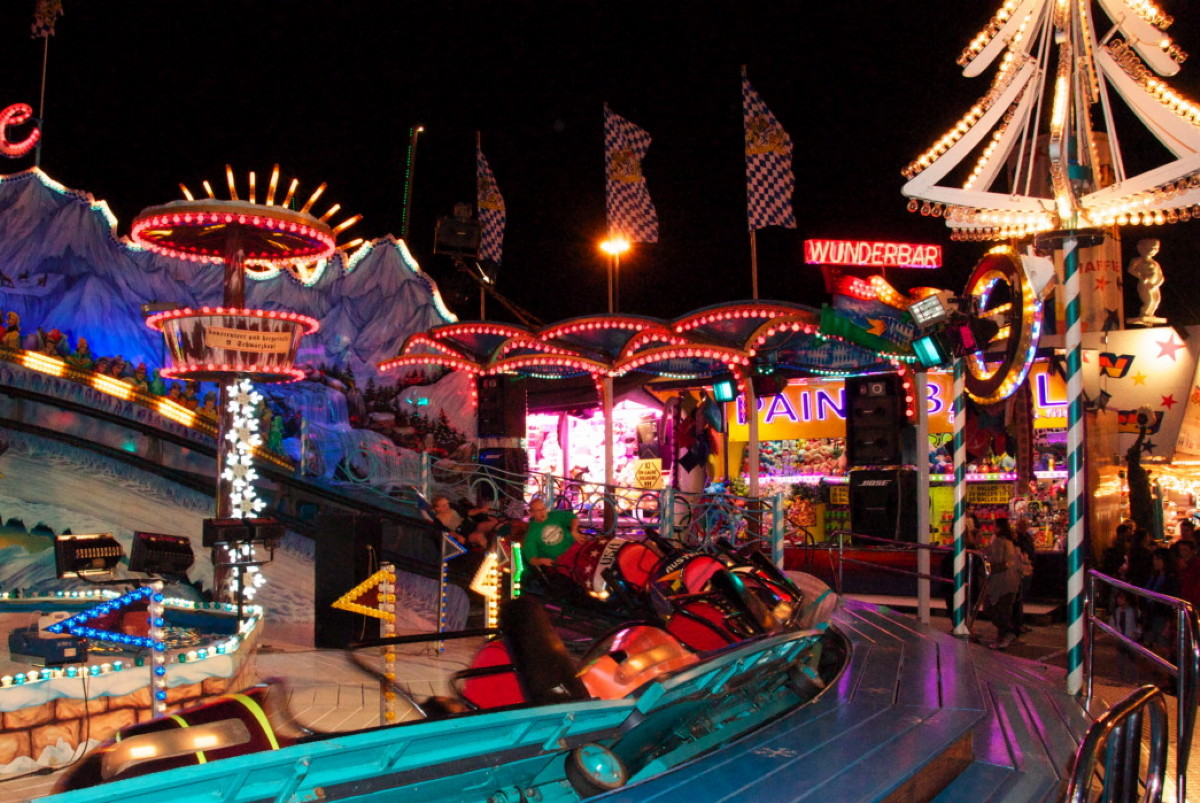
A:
{"x": 219, "y": 337}
{"x": 815, "y": 408}
{"x": 839, "y": 494}
{"x": 1049, "y": 391}
{"x": 989, "y": 493}
{"x": 647, "y": 474}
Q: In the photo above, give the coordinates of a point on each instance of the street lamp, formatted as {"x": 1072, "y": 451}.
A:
{"x": 614, "y": 247}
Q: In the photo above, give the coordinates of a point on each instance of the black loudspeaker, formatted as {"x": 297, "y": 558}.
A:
{"x": 501, "y": 407}
{"x": 511, "y": 461}
{"x": 874, "y": 419}
{"x": 767, "y": 385}
{"x": 348, "y": 548}
{"x": 883, "y": 503}
{"x": 457, "y": 236}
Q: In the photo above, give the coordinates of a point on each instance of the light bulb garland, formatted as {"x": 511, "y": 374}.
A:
{"x": 243, "y": 434}
{"x": 1058, "y": 38}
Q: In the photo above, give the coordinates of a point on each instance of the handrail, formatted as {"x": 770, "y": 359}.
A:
{"x": 972, "y": 555}
{"x": 1118, "y": 732}
{"x": 1186, "y": 672}
{"x": 838, "y": 579}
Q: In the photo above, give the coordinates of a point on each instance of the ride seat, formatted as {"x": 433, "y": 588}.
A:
{"x": 529, "y": 656}
{"x": 636, "y": 563}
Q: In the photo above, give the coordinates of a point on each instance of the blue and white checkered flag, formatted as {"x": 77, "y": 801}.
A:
{"x": 631, "y": 213}
{"x": 490, "y": 206}
{"x": 770, "y": 182}
{"x": 45, "y": 15}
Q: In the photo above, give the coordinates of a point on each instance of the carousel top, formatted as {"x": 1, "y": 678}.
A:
{"x": 202, "y": 231}
{"x": 211, "y": 229}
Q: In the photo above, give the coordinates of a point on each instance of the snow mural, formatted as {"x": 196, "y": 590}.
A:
{"x": 68, "y": 277}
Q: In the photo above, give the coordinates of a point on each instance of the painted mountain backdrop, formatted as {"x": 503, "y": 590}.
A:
{"x": 63, "y": 267}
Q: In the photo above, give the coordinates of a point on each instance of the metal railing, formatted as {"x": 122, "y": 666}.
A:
{"x": 977, "y": 565}
{"x": 1117, "y": 736}
{"x": 695, "y": 520}
{"x": 1186, "y": 672}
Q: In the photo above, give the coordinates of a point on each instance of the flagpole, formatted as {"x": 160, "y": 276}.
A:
{"x": 482, "y": 289}
{"x": 37, "y": 152}
{"x": 409, "y": 165}
{"x": 754, "y": 264}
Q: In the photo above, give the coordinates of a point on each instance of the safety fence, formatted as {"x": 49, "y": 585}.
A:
{"x": 1178, "y": 616}
{"x": 1110, "y": 755}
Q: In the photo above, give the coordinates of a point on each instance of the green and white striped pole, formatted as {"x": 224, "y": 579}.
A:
{"x": 959, "y": 444}
{"x": 1072, "y": 343}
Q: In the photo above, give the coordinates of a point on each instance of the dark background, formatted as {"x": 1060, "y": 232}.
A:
{"x": 144, "y": 95}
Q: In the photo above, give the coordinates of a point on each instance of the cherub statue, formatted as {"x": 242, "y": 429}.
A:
{"x": 1149, "y": 274}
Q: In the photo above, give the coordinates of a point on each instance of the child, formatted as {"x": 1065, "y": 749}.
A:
{"x": 1125, "y": 620}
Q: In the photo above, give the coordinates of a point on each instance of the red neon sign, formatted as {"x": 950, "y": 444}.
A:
{"x": 872, "y": 254}
{"x": 15, "y": 115}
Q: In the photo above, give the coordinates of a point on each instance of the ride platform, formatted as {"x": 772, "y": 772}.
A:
{"x": 916, "y": 715}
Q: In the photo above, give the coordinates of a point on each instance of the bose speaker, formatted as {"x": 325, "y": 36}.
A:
{"x": 883, "y": 503}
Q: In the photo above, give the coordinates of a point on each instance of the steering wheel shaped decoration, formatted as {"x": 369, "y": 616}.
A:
{"x": 1000, "y": 291}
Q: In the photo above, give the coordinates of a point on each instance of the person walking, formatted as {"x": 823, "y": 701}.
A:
{"x": 1026, "y": 552}
{"x": 1004, "y": 584}
{"x": 1158, "y": 633}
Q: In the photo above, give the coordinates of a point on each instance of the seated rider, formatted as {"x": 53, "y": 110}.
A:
{"x": 474, "y": 527}
{"x": 551, "y": 534}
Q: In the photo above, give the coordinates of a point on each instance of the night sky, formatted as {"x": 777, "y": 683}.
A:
{"x": 144, "y": 95}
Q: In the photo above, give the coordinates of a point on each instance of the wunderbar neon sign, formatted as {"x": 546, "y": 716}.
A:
{"x": 869, "y": 254}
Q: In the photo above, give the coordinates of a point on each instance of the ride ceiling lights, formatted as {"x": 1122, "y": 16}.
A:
{"x": 724, "y": 340}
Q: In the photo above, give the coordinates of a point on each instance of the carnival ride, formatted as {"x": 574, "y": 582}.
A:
{"x": 635, "y": 705}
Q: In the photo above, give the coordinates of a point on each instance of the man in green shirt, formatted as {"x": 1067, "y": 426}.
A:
{"x": 550, "y": 534}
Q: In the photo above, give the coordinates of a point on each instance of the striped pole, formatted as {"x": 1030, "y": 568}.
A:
{"x": 1075, "y": 477}
{"x": 959, "y": 443}
{"x": 777, "y": 529}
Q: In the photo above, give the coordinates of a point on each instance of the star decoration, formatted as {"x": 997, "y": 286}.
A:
{"x": 1169, "y": 401}
{"x": 1101, "y": 282}
{"x": 1168, "y": 347}
{"x": 1139, "y": 378}
{"x": 1148, "y": 446}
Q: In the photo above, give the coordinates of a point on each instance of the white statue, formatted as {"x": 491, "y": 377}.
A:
{"x": 1149, "y": 274}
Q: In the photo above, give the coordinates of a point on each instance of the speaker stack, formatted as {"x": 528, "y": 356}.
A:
{"x": 874, "y": 420}
{"x": 502, "y": 409}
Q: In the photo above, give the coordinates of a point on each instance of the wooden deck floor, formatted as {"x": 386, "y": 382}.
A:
{"x": 909, "y": 694}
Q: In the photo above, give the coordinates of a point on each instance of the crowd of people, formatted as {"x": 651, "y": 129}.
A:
{"x": 1169, "y": 569}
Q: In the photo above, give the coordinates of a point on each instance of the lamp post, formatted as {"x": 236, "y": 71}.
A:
{"x": 614, "y": 246}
